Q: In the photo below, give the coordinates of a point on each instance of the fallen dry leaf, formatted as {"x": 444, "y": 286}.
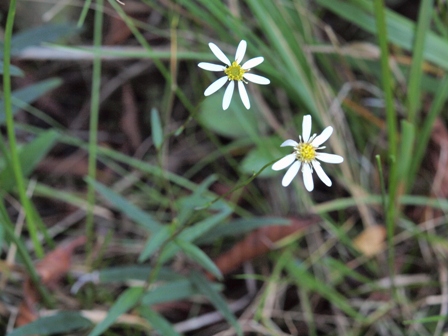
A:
{"x": 439, "y": 158}
{"x": 371, "y": 240}
{"x": 129, "y": 122}
{"x": 50, "y": 269}
{"x": 259, "y": 242}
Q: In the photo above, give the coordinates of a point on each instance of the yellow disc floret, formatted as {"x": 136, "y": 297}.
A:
{"x": 305, "y": 152}
{"x": 235, "y": 72}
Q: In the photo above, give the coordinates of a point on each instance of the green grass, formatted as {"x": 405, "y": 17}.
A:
{"x": 156, "y": 216}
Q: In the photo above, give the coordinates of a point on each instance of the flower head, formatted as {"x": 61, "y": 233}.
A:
{"x": 234, "y": 72}
{"x": 306, "y": 154}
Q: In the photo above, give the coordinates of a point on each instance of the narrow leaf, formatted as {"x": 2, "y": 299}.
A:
{"x": 205, "y": 287}
{"x": 63, "y": 322}
{"x": 306, "y": 280}
{"x": 28, "y": 95}
{"x": 129, "y": 209}
{"x": 172, "y": 291}
{"x": 195, "y": 232}
{"x": 14, "y": 71}
{"x": 134, "y": 272}
{"x": 38, "y": 35}
{"x": 30, "y": 155}
{"x": 153, "y": 243}
{"x": 156, "y": 128}
{"x": 158, "y": 322}
{"x": 240, "y": 226}
{"x": 126, "y": 301}
{"x": 196, "y": 254}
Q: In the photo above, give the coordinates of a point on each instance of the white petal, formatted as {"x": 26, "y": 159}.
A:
{"x": 211, "y": 66}
{"x": 306, "y": 128}
{"x": 308, "y": 177}
{"x": 320, "y": 172}
{"x": 240, "y": 51}
{"x": 243, "y": 94}
{"x": 215, "y": 86}
{"x": 228, "y": 95}
{"x": 329, "y": 158}
{"x": 321, "y": 138}
{"x": 291, "y": 173}
{"x": 252, "y": 63}
{"x": 284, "y": 162}
{"x": 218, "y": 53}
{"x": 289, "y": 143}
{"x": 256, "y": 79}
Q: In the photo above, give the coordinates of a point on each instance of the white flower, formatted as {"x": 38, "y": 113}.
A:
{"x": 233, "y": 72}
{"x": 305, "y": 154}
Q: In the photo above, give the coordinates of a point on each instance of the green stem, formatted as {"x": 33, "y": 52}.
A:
{"x": 15, "y": 160}
{"x": 93, "y": 127}
{"x": 85, "y": 9}
{"x": 391, "y": 132}
{"x": 415, "y": 76}
{"x": 383, "y": 185}
{"x": 425, "y": 132}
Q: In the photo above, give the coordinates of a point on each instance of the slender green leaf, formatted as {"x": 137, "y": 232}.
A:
{"x": 30, "y": 155}
{"x": 2, "y": 236}
{"x": 205, "y": 287}
{"x": 29, "y": 94}
{"x": 303, "y": 278}
{"x": 415, "y": 75}
{"x": 436, "y": 109}
{"x": 37, "y": 35}
{"x": 129, "y": 209}
{"x": 134, "y": 272}
{"x": 187, "y": 205}
{"x": 15, "y": 71}
{"x": 171, "y": 291}
{"x": 401, "y": 30}
{"x": 429, "y": 319}
{"x": 125, "y": 301}
{"x": 339, "y": 271}
{"x": 406, "y": 150}
{"x": 239, "y": 227}
{"x": 295, "y": 68}
{"x": 154, "y": 242}
{"x": 62, "y": 322}
{"x": 158, "y": 322}
{"x": 156, "y": 129}
{"x": 195, "y": 232}
{"x": 197, "y": 255}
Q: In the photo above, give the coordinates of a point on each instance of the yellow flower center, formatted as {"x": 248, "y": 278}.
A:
{"x": 235, "y": 72}
{"x": 305, "y": 152}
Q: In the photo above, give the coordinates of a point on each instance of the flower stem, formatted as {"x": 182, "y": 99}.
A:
{"x": 15, "y": 160}
{"x": 93, "y": 127}
{"x": 386, "y": 77}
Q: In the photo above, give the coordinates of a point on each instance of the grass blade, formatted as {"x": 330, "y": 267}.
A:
{"x": 158, "y": 322}
{"x": 156, "y": 129}
{"x": 129, "y": 209}
{"x": 126, "y": 301}
{"x": 204, "y": 287}
{"x": 308, "y": 281}
{"x": 197, "y": 255}
{"x": 62, "y": 322}
{"x": 93, "y": 123}
{"x": 415, "y": 75}
{"x": 30, "y": 155}
{"x": 10, "y": 128}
